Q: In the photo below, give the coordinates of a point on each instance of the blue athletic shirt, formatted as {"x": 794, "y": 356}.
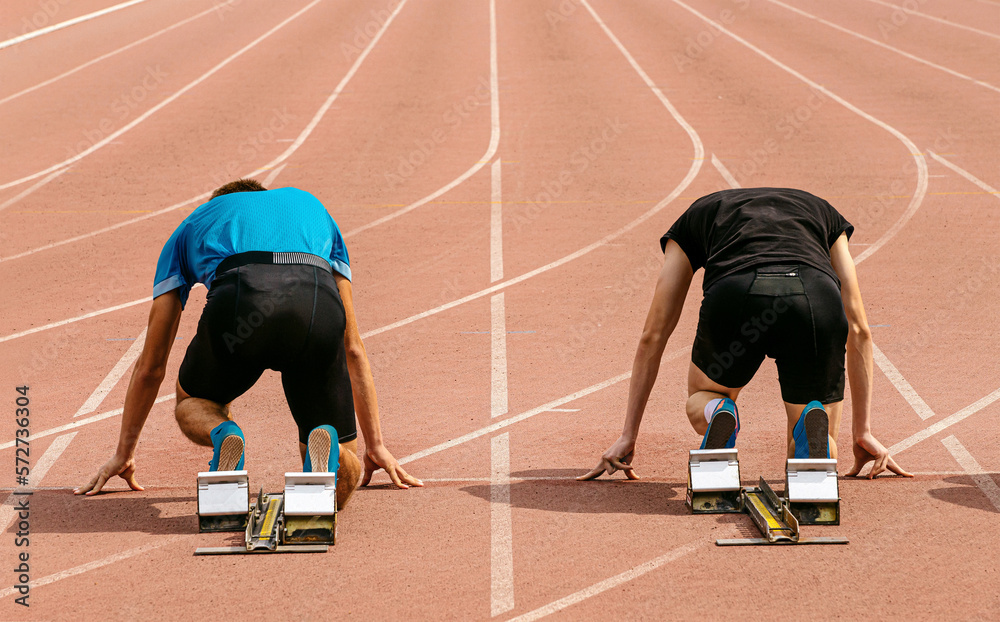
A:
{"x": 286, "y": 220}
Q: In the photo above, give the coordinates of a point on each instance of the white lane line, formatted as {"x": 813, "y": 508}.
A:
{"x": 301, "y": 138}
{"x": 119, "y": 225}
{"x": 968, "y": 462}
{"x": 94, "y": 565}
{"x": 911, "y": 11}
{"x": 214, "y": 9}
{"x": 945, "y": 423}
{"x": 511, "y": 421}
{"x": 699, "y": 153}
{"x": 9, "y": 489}
{"x": 919, "y": 192}
{"x": 966, "y": 174}
{"x": 912, "y": 472}
{"x": 82, "y": 422}
{"x": 610, "y": 583}
{"x": 496, "y": 225}
{"x": 490, "y": 150}
{"x": 501, "y": 531}
{"x": 113, "y": 376}
{"x": 273, "y": 175}
{"x": 70, "y": 22}
{"x": 197, "y": 199}
{"x": 886, "y": 46}
{"x": 114, "y": 135}
{"x": 902, "y": 385}
{"x": 696, "y": 162}
{"x": 78, "y": 318}
{"x": 719, "y": 166}
{"x": 40, "y": 468}
{"x": 499, "y": 425}
{"x": 32, "y": 188}
{"x": 498, "y": 356}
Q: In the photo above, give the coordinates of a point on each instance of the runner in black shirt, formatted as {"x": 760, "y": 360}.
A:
{"x": 779, "y": 282}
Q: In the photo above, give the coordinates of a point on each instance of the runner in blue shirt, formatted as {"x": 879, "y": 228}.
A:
{"x": 280, "y": 298}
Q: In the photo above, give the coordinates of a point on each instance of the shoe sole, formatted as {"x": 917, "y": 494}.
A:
{"x": 720, "y": 429}
{"x": 817, "y": 432}
{"x": 230, "y": 452}
{"x": 319, "y": 449}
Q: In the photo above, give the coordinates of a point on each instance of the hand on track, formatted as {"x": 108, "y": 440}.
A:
{"x": 866, "y": 449}
{"x": 379, "y": 458}
{"x": 122, "y": 467}
{"x": 617, "y": 457}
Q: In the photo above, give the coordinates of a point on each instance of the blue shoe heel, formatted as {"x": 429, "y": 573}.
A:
{"x": 228, "y": 443}
{"x": 323, "y": 449}
{"x": 723, "y": 428}
{"x": 811, "y": 432}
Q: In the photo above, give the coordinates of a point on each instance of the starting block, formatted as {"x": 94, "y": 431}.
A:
{"x": 223, "y": 499}
{"x": 774, "y": 518}
{"x": 301, "y": 519}
{"x": 811, "y": 497}
{"x": 713, "y": 481}
{"x": 812, "y": 491}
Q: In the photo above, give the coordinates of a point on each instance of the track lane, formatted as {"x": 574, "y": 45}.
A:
{"x": 411, "y": 510}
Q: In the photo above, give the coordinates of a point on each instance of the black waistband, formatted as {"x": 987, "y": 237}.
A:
{"x": 267, "y": 257}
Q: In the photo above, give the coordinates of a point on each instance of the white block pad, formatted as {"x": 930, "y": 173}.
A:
{"x": 713, "y": 470}
{"x": 310, "y": 494}
{"x": 813, "y": 481}
{"x": 223, "y": 492}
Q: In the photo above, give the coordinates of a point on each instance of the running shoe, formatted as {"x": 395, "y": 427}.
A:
{"x": 723, "y": 427}
{"x": 811, "y": 432}
{"x": 323, "y": 450}
{"x": 228, "y": 441}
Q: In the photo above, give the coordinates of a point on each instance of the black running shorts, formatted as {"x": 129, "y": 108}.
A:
{"x": 793, "y": 314}
{"x": 288, "y": 318}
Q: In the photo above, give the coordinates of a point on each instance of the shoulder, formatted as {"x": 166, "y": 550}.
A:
{"x": 295, "y": 195}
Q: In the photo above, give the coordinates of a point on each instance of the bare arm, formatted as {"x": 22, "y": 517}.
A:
{"x": 143, "y": 386}
{"x": 668, "y": 300}
{"x": 365, "y": 400}
{"x": 859, "y": 338}
{"x": 860, "y": 366}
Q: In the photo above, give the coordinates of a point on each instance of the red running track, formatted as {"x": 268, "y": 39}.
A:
{"x": 503, "y": 170}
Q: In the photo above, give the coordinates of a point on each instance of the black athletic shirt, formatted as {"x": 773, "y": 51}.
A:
{"x": 732, "y": 230}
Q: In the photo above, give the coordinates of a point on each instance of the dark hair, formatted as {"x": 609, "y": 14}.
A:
{"x": 240, "y": 185}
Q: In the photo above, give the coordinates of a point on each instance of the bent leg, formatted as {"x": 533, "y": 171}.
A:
{"x": 833, "y": 411}
{"x": 349, "y": 472}
{"x": 197, "y": 417}
{"x": 702, "y": 390}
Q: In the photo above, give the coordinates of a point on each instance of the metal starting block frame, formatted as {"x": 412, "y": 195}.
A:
{"x": 811, "y": 497}
{"x": 301, "y": 519}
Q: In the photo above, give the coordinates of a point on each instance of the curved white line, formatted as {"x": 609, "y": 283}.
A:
{"x": 204, "y": 195}
{"x": 909, "y": 11}
{"x": 14, "y": 199}
{"x": 699, "y": 156}
{"x": 70, "y": 22}
{"x": 918, "y": 158}
{"x": 101, "y": 143}
{"x": 38, "y": 329}
{"x": 112, "y": 53}
{"x": 887, "y": 46}
{"x": 490, "y": 150}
